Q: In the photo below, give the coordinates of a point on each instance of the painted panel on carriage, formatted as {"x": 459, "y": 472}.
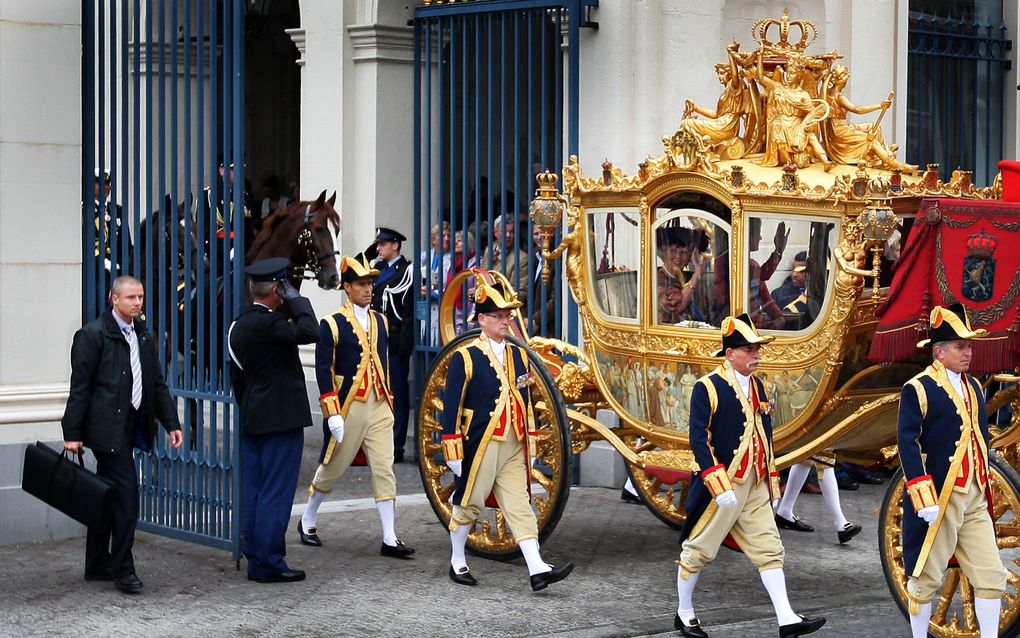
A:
{"x": 615, "y": 253}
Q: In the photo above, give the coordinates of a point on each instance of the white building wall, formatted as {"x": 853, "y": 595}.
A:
{"x": 40, "y": 242}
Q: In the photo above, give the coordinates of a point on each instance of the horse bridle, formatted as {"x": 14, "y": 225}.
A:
{"x": 313, "y": 262}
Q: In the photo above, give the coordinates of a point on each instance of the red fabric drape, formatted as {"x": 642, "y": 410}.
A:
{"x": 931, "y": 272}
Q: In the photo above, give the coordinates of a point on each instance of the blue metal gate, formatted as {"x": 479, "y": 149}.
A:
{"x": 957, "y": 68}
{"x": 496, "y": 93}
{"x": 162, "y": 124}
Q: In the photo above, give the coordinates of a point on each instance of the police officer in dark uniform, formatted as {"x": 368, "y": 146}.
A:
{"x": 393, "y": 297}
{"x": 269, "y": 384}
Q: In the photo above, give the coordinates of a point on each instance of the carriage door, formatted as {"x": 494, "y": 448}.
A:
{"x": 495, "y": 96}
{"x": 162, "y": 106}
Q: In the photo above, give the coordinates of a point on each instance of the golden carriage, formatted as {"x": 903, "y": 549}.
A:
{"x": 774, "y": 171}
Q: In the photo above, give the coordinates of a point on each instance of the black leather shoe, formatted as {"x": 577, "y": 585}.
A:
{"x": 796, "y": 524}
{"x": 692, "y": 630}
{"x": 311, "y": 538}
{"x": 398, "y": 458}
{"x": 847, "y": 484}
{"x": 627, "y": 497}
{"x": 103, "y": 574}
{"x": 543, "y": 580}
{"x": 804, "y": 627}
{"x": 289, "y": 576}
{"x": 462, "y": 578}
{"x": 850, "y": 530}
{"x": 128, "y": 584}
{"x": 870, "y": 479}
{"x": 396, "y": 551}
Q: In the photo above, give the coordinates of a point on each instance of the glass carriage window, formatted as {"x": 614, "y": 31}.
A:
{"x": 614, "y": 260}
{"x": 689, "y": 245}
{"x": 788, "y": 270}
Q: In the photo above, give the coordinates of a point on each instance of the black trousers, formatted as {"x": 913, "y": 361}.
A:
{"x": 110, "y": 547}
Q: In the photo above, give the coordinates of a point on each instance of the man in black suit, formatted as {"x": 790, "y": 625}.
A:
{"x": 117, "y": 393}
{"x": 393, "y": 297}
{"x": 269, "y": 385}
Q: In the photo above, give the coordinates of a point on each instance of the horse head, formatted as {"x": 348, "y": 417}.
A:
{"x": 305, "y": 233}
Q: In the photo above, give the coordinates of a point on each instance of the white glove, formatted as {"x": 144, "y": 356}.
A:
{"x": 336, "y": 427}
{"x": 929, "y": 514}
{"x": 455, "y": 466}
{"x": 726, "y": 499}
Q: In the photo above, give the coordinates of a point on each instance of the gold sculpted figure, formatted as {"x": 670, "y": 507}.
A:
{"x": 723, "y": 126}
{"x": 848, "y": 143}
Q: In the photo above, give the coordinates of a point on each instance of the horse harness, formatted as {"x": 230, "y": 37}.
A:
{"x": 313, "y": 262}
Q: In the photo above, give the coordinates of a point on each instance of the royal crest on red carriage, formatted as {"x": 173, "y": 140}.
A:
{"x": 979, "y": 267}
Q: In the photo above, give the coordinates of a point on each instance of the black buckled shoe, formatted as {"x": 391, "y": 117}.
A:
{"x": 462, "y": 578}
{"x": 311, "y": 538}
{"x": 128, "y": 584}
{"x": 396, "y": 551}
{"x": 692, "y": 630}
{"x": 849, "y": 530}
{"x": 289, "y": 576}
{"x": 543, "y": 580}
{"x": 796, "y": 524}
{"x": 804, "y": 627}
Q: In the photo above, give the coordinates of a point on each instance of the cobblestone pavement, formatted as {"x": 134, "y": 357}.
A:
{"x": 623, "y": 585}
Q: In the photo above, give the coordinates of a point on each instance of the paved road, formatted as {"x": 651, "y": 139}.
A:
{"x": 624, "y": 583}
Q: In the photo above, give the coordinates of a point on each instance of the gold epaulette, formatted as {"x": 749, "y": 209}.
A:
{"x": 922, "y": 492}
{"x": 713, "y": 396}
{"x": 453, "y": 447}
{"x": 717, "y": 480}
{"x": 330, "y": 404}
{"x": 922, "y": 395}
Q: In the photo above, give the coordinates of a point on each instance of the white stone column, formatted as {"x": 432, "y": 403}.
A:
{"x": 40, "y": 243}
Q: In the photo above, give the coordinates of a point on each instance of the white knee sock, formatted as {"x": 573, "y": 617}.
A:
{"x": 794, "y": 483}
{"x": 685, "y": 594}
{"x": 775, "y": 585}
{"x": 919, "y": 622}
{"x": 830, "y": 492}
{"x": 311, "y": 514}
{"x": 987, "y": 612}
{"x": 529, "y": 547}
{"x": 386, "y": 515}
{"x": 458, "y": 539}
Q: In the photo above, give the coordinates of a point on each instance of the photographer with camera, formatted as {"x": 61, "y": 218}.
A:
{"x": 269, "y": 385}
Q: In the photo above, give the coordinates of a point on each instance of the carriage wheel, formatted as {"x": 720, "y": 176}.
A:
{"x": 952, "y": 613}
{"x": 667, "y": 502}
{"x": 550, "y": 478}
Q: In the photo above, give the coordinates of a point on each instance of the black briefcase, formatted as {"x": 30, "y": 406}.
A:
{"x": 68, "y": 486}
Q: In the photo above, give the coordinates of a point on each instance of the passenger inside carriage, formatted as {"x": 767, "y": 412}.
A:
{"x": 677, "y": 277}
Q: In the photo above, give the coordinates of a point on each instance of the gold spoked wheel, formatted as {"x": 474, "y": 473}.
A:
{"x": 550, "y": 478}
{"x": 667, "y": 502}
{"x": 952, "y": 614}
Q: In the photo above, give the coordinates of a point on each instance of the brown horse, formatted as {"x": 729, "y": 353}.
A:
{"x": 304, "y": 233}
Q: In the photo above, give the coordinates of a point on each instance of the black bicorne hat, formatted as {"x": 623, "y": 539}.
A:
{"x": 355, "y": 268}
{"x": 738, "y": 332}
{"x": 493, "y": 297}
{"x": 949, "y": 324}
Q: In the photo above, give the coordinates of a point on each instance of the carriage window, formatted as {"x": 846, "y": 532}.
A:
{"x": 788, "y": 271}
{"x": 690, "y": 249}
{"x": 614, "y": 258}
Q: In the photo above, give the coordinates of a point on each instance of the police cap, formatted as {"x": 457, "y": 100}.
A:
{"x": 388, "y": 234}
{"x": 271, "y": 269}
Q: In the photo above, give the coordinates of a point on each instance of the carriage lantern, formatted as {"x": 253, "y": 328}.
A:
{"x": 878, "y": 221}
{"x": 546, "y": 212}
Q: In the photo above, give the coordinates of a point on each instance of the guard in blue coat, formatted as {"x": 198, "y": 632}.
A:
{"x": 943, "y": 445}
{"x": 352, "y": 371}
{"x": 488, "y": 435}
{"x": 269, "y": 384}
{"x": 731, "y": 437}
